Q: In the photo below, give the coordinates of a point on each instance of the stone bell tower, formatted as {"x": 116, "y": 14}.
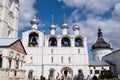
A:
{"x": 101, "y": 47}
{"x": 9, "y": 12}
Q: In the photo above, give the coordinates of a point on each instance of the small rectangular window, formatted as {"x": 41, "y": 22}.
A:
{"x": 96, "y": 71}
{"x": 31, "y": 59}
{"x": 91, "y": 72}
{"x": 78, "y": 50}
{"x": 51, "y": 59}
{"x": 51, "y": 50}
{"x": 69, "y": 59}
{"x": 62, "y": 59}
{"x": 110, "y": 68}
{"x": 102, "y": 67}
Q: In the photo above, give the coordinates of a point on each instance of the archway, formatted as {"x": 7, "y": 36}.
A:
{"x": 67, "y": 71}
{"x": 78, "y": 42}
{"x": 33, "y": 39}
{"x": 65, "y": 42}
{"x": 30, "y": 74}
{"x": 51, "y": 74}
{"x": 52, "y": 41}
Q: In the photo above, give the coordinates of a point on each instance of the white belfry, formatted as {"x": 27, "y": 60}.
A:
{"x": 53, "y": 54}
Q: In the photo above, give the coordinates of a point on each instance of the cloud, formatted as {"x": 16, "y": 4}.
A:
{"x": 27, "y": 12}
{"x": 91, "y": 6}
{"x": 116, "y": 12}
{"x": 110, "y": 27}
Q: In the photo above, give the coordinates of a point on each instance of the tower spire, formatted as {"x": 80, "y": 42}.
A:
{"x": 99, "y": 32}
{"x": 76, "y": 18}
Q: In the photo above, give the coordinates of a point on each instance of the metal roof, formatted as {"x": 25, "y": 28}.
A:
{"x": 7, "y": 42}
{"x": 98, "y": 63}
{"x": 101, "y": 43}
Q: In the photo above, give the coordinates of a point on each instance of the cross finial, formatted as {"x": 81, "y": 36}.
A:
{"x": 64, "y": 18}
{"x": 35, "y": 17}
{"x": 52, "y": 18}
{"x": 76, "y": 18}
{"x": 99, "y": 28}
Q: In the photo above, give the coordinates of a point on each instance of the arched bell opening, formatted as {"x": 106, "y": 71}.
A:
{"x": 65, "y": 42}
{"x": 52, "y": 41}
{"x": 33, "y": 39}
{"x": 78, "y": 42}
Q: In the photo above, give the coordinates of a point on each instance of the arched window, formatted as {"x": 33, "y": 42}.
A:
{"x": 17, "y": 61}
{"x": 10, "y": 58}
{"x": 69, "y": 59}
{"x": 33, "y": 39}
{"x": 23, "y": 59}
{"x": 62, "y": 59}
{"x": 9, "y": 62}
{"x": 1, "y": 60}
{"x": 17, "y": 64}
{"x": 51, "y": 59}
{"x": 78, "y": 42}
{"x": 31, "y": 59}
{"x": 52, "y": 41}
{"x": 65, "y": 42}
{"x": 30, "y": 74}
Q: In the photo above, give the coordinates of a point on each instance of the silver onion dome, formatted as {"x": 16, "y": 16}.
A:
{"x": 52, "y": 26}
{"x": 64, "y": 25}
{"x": 76, "y": 27}
{"x": 34, "y": 21}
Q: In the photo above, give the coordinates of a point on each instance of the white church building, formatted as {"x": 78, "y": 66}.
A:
{"x": 40, "y": 54}
{"x": 52, "y": 54}
{"x": 100, "y": 49}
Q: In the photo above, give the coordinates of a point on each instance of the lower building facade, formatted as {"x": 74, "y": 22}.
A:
{"x": 12, "y": 56}
{"x": 114, "y": 58}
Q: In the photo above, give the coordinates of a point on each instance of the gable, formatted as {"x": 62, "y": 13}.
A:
{"x": 17, "y": 46}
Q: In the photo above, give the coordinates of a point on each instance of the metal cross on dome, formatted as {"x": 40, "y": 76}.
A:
{"x": 76, "y": 18}
{"x": 52, "y": 18}
{"x": 64, "y": 18}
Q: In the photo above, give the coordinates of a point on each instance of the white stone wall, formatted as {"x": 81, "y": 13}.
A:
{"x": 100, "y": 68}
{"x": 5, "y": 71}
{"x": 99, "y": 53}
{"x": 114, "y": 58}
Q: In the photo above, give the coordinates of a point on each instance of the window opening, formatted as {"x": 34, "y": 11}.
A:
{"x": 78, "y": 42}
{"x": 1, "y": 60}
{"x": 33, "y": 39}
{"x": 52, "y": 42}
{"x": 66, "y": 42}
